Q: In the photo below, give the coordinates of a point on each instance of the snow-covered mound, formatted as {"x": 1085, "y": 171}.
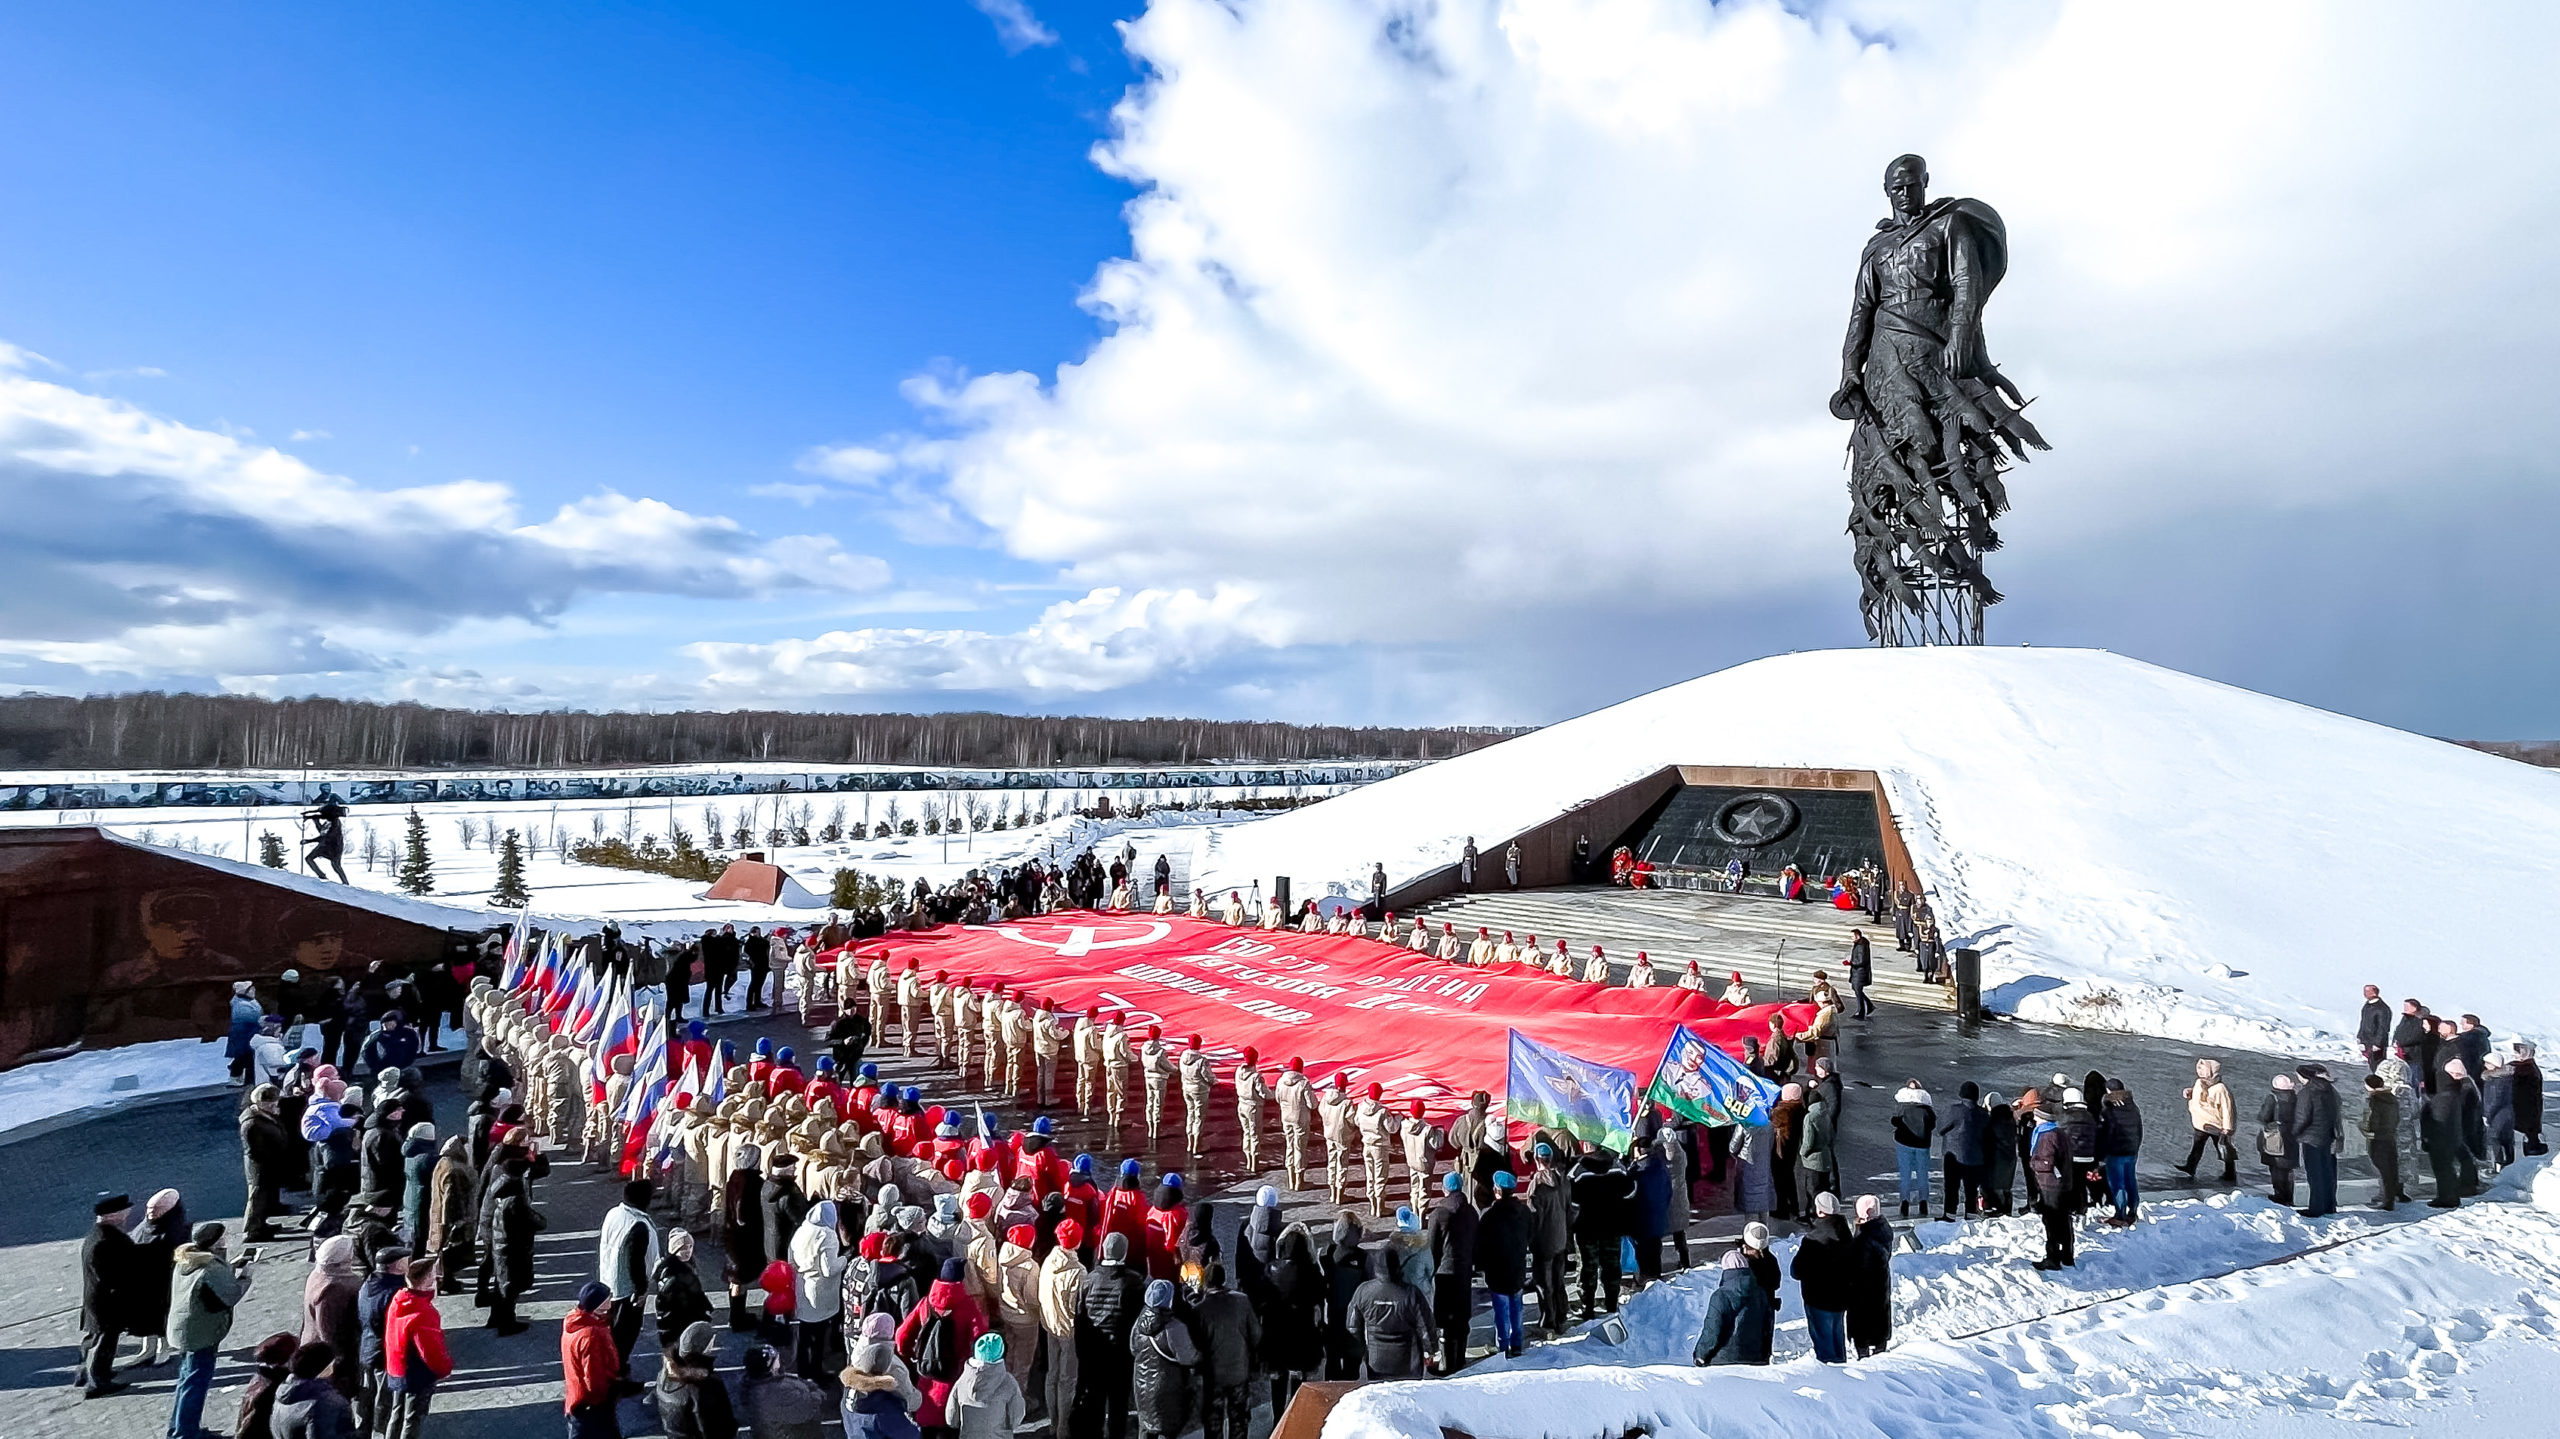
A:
{"x": 2131, "y": 847}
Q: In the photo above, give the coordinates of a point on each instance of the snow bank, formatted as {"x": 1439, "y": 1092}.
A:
{"x": 1953, "y": 1279}
{"x": 2131, "y": 847}
{"x": 2387, "y": 1329}
{"x": 32, "y": 1093}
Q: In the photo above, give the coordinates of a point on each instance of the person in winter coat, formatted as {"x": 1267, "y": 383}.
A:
{"x": 2120, "y": 1151}
{"x": 691, "y": 1401}
{"x": 417, "y": 1171}
{"x": 1754, "y": 1149}
{"x": 879, "y": 1401}
{"x": 1741, "y": 1320}
{"x": 1061, "y": 1289}
{"x": 1391, "y": 1322}
{"x": 1915, "y": 1124}
{"x": 414, "y": 1361}
{"x": 1017, "y": 1300}
{"x": 936, "y": 1339}
{"x": 987, "y": 1402}
{"x": 2050, "y": 1182}
{"x": 156, "y": 1235}
{"x": 2380, "y": 1124}
{"x": 2526, "y": 1071}
{"x": 1230, "y": 1338}
{"x": 1816, "y": 1156}
{"x": 267, "y": 1162}
{"x": 1962, "y": 1133}
{"x": 329, "y": 1308}
{"x": 451, "y": 1211}
{"x": 590, "y": 1366}
{"x": 1649, "y": 1213}
{"x": 1603, "y": 1194}
{"x": 2498, "y": 1111}
{"x": 2315, "y": 1129}
{"x": 1162, "y": 1358}
{"x": 109, "y": 1277}
{"x": 1502, "y": 1258}
{"x": 1550, "y": 1202}
{"x": 1999, "y": 1155}
{"x": 309, "y": 1406}
{"x": 1106, "y": 1311}
{"x": 1346, "y": 1269}
{"x": 205, "y": 1293}
{"x": 507, "y": 1226}
{"x": 817, "y": 1270}
{"x": 2213, "y": 1118}
{"x": 2444, "y": 1133}
{"x": 1168, "y": 1217}
{"x": 626, "y": 1257}
{"x": 1826, "y": 1272}
{"x": 1258, "y": 1244}
{"x": 1451, "y": 1230}
{"x": 2278, "y": 1146}
{"x": 776, "y": 1403}
{"x": 1871, "y": 1300}
{"x": 675, "y": 1290}
{"x": 1293, "y": 1316}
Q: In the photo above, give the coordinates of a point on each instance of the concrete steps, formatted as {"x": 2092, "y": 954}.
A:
{"x": 1775, "y": 944}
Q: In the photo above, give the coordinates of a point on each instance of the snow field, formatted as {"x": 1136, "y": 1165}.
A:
{"x": 2391, "y": 1326}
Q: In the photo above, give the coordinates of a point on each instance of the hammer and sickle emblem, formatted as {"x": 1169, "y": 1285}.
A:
{"x": 1081, "y": 938}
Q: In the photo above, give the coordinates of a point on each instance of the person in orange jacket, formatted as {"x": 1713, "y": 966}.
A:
{"x": 1166, "y": 1219}
{"x": 590, "y": 1367}
{"x": 1124, "y": 1208}
{"x": 414, "y": 1361}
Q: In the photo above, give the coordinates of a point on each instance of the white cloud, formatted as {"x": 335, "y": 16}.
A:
{"x": 148, "y": 551}
{"x": 299, "y": 436}
{"x": 1439, "y": 317}
{"x": 1106, "y": 640}
{"x": 1017, "y": 29}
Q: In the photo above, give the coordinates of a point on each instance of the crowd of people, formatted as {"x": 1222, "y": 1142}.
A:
{"x": 919, "y": 1271}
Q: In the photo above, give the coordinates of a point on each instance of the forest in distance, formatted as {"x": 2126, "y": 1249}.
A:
{"x": 153, "y": 730}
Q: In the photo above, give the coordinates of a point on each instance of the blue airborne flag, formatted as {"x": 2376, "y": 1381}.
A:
{"x": 1703, "y": 1083}
{"x": 1551, "y": 1089}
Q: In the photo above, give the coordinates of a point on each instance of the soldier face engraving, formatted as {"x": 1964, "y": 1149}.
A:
{"x": 1906, "y": 184}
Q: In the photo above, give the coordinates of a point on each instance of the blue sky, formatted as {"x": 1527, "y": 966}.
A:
{"x": 1337, "y": 359}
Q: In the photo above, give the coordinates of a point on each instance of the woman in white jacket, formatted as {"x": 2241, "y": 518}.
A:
{"x": 817, "y": 1271}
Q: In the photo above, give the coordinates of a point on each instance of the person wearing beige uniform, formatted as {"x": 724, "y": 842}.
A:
{"x": 1048, "y": 1041}
{"x": 1199, "y": 1083}
{"x": 1086, "y": 1044}
{"x": 1595, "y": 970}
{"x": 1117, "y": 1057}
{"x": 1341, "y": 1132}
{"x": 1297, "y": 1100}
{"x": 1251, "y": 1092}
{"x": 1377, "y": 1126}
{"x": 1480, "y": 953}
{"x": 1421, "y": 1142}
{"x": 1640, "y": 974}
{"x": 1155, "y": 1071}
{"x": 964, "y": 1024}
{"x": 911, "y": 1007}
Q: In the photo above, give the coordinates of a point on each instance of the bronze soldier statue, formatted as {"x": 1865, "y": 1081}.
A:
{"x": 1933, "y": 421}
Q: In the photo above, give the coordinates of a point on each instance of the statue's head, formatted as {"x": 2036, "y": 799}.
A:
{"x": 1906, "y": 184}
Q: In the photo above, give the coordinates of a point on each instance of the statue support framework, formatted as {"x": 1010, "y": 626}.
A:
{"x": 1933, "y": 423}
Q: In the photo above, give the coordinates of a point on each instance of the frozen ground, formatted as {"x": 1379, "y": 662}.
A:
{"x": 2417, "y": 1323}
{"x": 2131, "y": 847}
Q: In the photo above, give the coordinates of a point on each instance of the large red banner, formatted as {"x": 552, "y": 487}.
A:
{"x": 1420, "y": 1027}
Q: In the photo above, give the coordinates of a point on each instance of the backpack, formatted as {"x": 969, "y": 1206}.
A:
{"x": 938, "y": 1347}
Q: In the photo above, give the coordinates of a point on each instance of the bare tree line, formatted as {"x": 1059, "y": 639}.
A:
{"x": 153, "y": 730}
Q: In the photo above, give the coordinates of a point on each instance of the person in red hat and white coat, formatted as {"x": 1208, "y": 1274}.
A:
{"x": 1297, "y": 1099}
{"x": 1155, "y": 1068}
{"x": 1199, "y": 1083}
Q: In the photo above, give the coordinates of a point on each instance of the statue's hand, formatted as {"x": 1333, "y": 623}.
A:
{"x": 1842, "y": 406}
{"x": 1958, "y": 351}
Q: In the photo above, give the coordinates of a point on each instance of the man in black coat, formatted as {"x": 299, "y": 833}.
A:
{"x": 1550, "y": 1238}
{"x": 507, "y": 1226}
{"x": 1826, "y": 1272}
{"x": 1452, "y": 1229}
{"x": 1861, "y": 965}
{"x": 1502, "y": 1257}
{"x": 267, "y": 1162}
{"x": 1603, "y": 1192}
{"x": 1965, "y": 1132}
{"x": 759, "y": 953}
{"x": 1390, "y": 1321}
{"x": 1107, "y": 1308}
{"x": 2316, "y": 1129}
{"x": 2441, "y": 1134}
{"x": 2528, "y": 1080}
{"x": 1230, "y": 1335}
{"x": 2373, "y": 1028}
{"x": 107, "y": 1275}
